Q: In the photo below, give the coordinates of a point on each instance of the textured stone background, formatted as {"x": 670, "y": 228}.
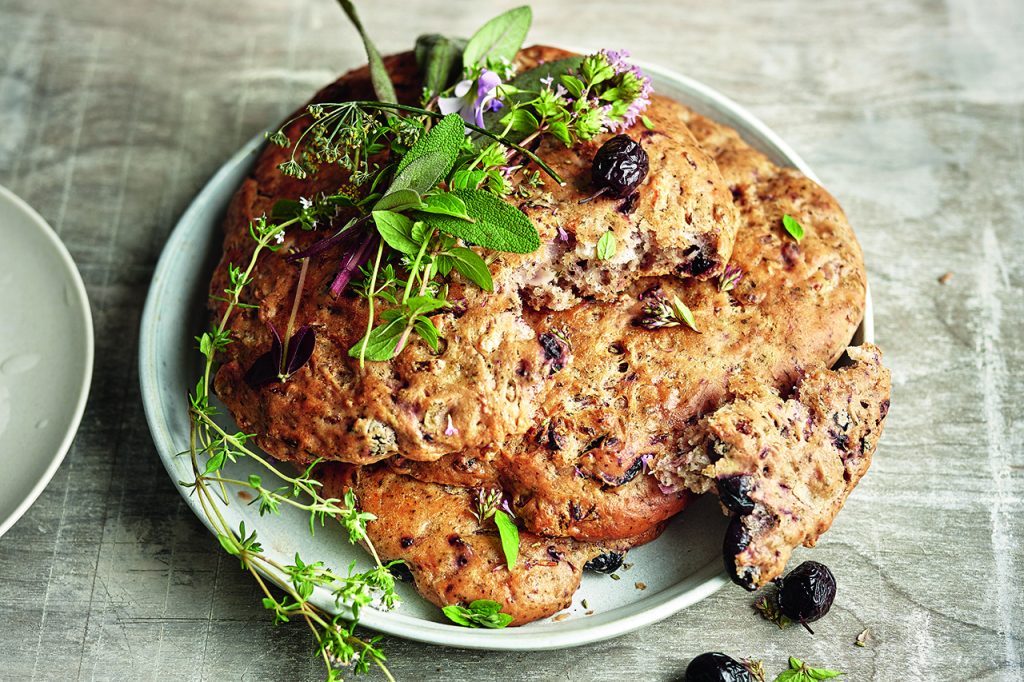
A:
{"x": 113, "y": 115}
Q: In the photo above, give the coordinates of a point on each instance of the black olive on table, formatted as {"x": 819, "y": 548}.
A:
{"x": 737, "y": 538}
{"x": 807, "y": 593}
{"x": 716, "y": 667}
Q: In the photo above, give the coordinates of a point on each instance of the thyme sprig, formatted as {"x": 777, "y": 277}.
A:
{"x": 211, "y": 447}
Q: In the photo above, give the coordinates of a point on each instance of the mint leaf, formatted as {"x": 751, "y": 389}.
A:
{"x": 445, "y": 137}
{"x": 396, "y": 230}
{"x": 801, "y": 672}
{"x": 521, "y": 121}
{"x": 471, "y": 266}
{"x": 480, "y": 613}
{"x": 382, "y": 339}
{"x": 509, "y": 537}
{"x": 458, "y": 615}
{"x": 438, "y": 57}
{"x": 467, "y": 179}
{"x": 606, "y": 246}
{"x": 446, "y": 203}
{"x": 379, "y": 77}
{"x": 421, "y": 305}
{"x": 427, "y": 331}
{"x": 795, "y": 229}
{"x": 499, "y": 38}
{"x": 499, "y": 226}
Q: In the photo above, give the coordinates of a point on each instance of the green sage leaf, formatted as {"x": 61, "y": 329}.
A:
{"x": 446, "y": 137}
{"x": 499, "y": 225}
{"x": 499, "y": 38}
{"x": 439, "y": 58}
{"x": 421, "y": 174}
{"x": 399, "y": 200}
{"x": 379, "y": 77}
{"x": 470, "y": 265}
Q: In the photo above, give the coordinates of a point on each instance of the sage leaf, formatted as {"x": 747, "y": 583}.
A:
{"x": 446, "y": 137}
{"x": 499, "y": 38}
{"x": 439, "y": 58}
{"x": 396, "y": 231}
{"x": 399, "y": 200}
{"x": 421, "y": 175}
{"x": 447, "y": 204}
{"x": 509, "y": 534}
{"x": 499, "y": 225}
{"x": 382, "y": 85}
{"x": 470, "y": 265}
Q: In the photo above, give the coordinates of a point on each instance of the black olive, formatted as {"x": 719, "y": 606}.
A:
{"x": 736, "y": 540}
{"x": 734, "y": 491}
{"x": 609, "y": 562}
{"x": 401, "y": 571}
{"x": 620, "y": 165}
{"x": 806, "y": 594}
{"x": 716, "y": 667}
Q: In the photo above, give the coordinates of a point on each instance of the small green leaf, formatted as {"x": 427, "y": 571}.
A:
{"x": 561, "y": 131}
{"x": 467, "y": 179}
{"x": 421, "y": 305}
{"x": 606, "y": 246}
{"x": 396, "y": 231}
{"x": 457, "y": 614}
{"x": 795, "y": 229}
{"x": 227, "y": 544}
{"x": 446, "y": 203}
{"x": 572, "y": 84}
{"x": 470, "y": 265}
{"x": 382, "y": 85}
{"x": 509, "y": 533}
{"x": 684, "y": 314}
{"x": 480, "y": 613}
{"x": 382, "y": 340}
{"x": 647, "y": 122}
{"x": 499, "y": 38}
{"x": 499, "y": 226}
{"x": 521, "y": 121}
{"x": 445, "y": 137}
{"x": 399, "y": 200}
{"x": 427, "y": 331}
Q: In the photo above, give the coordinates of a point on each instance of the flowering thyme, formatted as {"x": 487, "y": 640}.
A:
{"x": 728, "y": 280}
{"x": 659, "y": 312}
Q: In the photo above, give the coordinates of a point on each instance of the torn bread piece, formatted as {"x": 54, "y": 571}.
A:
{"x": 784, "y": 467}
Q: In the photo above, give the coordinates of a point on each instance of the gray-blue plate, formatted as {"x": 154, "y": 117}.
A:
{"x": 46, "y": 353}
{"x": 679, "y": 569}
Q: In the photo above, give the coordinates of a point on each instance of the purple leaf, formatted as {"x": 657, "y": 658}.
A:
{"x": 351, "y": 262}
{"x": 300, "y": 349}
{"x": 267, "y": 367}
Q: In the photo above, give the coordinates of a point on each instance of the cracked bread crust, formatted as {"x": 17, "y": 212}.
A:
{"x": 453, "y": 559}
{"x": 794, "y": 461}
{"x": 493, "y": 370}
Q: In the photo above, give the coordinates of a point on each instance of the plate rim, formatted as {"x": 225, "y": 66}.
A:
{"x": 567, "y": 634}
{"x": 85, "y": 385}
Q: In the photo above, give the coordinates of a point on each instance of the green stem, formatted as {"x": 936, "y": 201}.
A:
{"x": 372, "y": 295}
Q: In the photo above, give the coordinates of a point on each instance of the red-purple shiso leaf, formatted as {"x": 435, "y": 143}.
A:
{"x": 300, "y": 349}
{"x": 267, "y": 367}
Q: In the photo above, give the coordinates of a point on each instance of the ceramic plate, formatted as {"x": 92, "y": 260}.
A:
{"x": 679, "y": 569}
{"x": 46, "y": 348}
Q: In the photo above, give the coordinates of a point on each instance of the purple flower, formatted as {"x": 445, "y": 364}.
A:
{"x": 269, "y": 367}
{"x": 471, "y": 108}
{"x": 631, "y": 75}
